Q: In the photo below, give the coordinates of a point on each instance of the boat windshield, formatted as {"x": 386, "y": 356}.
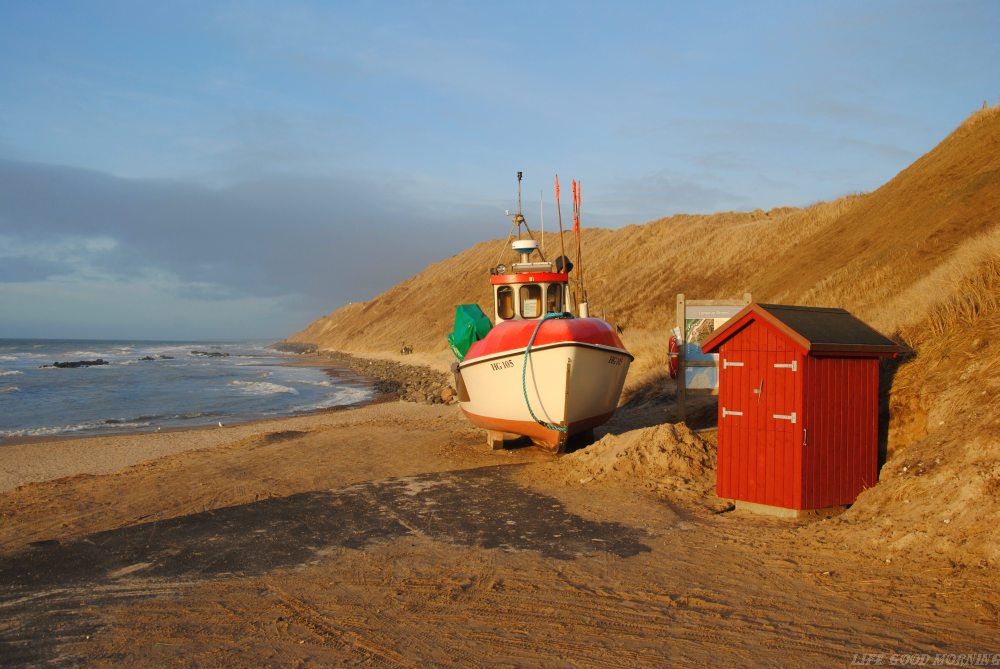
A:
{"x": 554, "y": 295}
{"x": 531, "y": 301}
{"x": 505, "y": 302}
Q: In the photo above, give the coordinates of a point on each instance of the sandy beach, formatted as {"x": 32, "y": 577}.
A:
{"x": 282, "y": 283}
{"x": 390, "y": 535}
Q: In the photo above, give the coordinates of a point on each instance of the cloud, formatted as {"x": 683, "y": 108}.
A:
{"x": 60, "y": 308}
{"x": 25, "y": 269}
{"x": 311, "y": 243}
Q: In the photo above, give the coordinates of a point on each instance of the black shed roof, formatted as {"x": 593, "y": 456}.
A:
{"x": 815, "y": 329}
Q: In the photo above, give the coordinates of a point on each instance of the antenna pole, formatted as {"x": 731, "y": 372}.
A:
{"x": 519, "y": 175}
{"x": 541, "y": 216}
{"x": 562, "y": 246}
{"x": 579, "y": 245}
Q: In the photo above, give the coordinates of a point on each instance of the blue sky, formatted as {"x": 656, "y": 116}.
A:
{"x": 236, "y": 169}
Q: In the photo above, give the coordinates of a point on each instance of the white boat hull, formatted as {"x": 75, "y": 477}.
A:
{"x": 570, "y": 385}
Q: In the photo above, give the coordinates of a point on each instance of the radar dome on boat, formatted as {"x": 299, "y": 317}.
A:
{"x": 525, "y": 245}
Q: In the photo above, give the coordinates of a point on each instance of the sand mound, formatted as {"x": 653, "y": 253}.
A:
{"x": 669, "y": 459}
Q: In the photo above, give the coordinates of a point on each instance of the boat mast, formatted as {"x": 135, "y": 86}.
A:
{"x": 519, "y": 219}
{"x": 583, "y": 308}
{"x": 541, "y": 217}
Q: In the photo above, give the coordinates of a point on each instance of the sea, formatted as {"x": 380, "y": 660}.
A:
{"x": 153, "y": 385}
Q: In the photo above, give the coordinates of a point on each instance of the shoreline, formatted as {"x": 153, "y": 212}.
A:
{"x": 35, "y": 459}
{"x": 316, "y": 361}
{"x": 388, "y": 380}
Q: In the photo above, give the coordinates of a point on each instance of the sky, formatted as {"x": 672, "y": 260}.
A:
{"x": 234, "y": 170}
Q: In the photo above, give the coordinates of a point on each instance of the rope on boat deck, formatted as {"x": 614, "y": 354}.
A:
{"x": 524, "y": 369}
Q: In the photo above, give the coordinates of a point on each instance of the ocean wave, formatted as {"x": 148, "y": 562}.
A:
{"x": 8, "y": 357}
{"x": 262, "y": 388}
{"x": 10, "y": 389}
{"x": 192, "y": 415}
{"x": 322, "y": 384}
{"x": 9, "y": 372}
{"x": 343, "y": 397}
{"x": 88, "y": 426}
{"x": 174, "y": 351}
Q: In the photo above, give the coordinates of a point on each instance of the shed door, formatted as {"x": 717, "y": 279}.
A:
{"x": 758, "y": 423}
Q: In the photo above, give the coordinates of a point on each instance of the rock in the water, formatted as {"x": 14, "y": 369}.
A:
{"x": 78, "y": 363}
{"x": 211, "y": 354}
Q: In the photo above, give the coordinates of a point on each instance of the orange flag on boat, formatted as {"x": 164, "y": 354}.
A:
{"x": 576, "y": 208}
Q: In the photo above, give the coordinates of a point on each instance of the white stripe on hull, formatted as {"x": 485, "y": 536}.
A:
{"x": 595, "y": 377}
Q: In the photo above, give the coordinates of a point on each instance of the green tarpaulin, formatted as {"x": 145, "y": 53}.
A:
{"x": 471, "y": 325}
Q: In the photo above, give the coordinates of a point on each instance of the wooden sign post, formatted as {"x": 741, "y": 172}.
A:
{"x": 698, "y": 373}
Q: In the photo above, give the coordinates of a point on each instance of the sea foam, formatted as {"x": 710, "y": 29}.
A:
{"x": 262, "y": 388}
{"x": 343, "y": 397}
{"x": 89, "y": 426}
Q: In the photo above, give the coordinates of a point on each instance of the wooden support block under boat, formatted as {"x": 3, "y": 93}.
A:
{"x": 495, "y": 439}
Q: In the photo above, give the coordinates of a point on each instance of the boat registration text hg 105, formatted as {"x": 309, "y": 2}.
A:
{"x": 502, "y": 365}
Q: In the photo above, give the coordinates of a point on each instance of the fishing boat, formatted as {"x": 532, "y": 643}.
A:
{"x": 537, "y": 370}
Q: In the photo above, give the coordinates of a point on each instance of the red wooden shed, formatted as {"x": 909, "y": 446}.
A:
{"x": 798, "y": 406}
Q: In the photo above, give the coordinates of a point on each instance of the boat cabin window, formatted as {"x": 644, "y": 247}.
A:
{"x": 554, "y": 295}
{"x": 531, "y": 301}
{"x": 505, "y": 302}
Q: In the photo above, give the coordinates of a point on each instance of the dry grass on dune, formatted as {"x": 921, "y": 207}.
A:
{"x": 862, "y": 252}
{"x": 939, "y": 491}
{"x": 894, "y": 257}
{"x": 888, "y": 256}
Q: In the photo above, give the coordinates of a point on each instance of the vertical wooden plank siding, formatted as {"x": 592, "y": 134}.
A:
{"x": 724, "y": 455}
{"x": 763, "y": 459}
{"x": 842, "y": 420}
{"x": 869, "y": 428}
{"x": 760, "y": 457}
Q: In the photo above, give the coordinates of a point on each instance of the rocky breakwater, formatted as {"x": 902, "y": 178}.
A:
{"x": 293, "y": 347}
{"x": 393, "y": 379}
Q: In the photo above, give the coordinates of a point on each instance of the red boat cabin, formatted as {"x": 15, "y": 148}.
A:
{"x": 531, "y": 290}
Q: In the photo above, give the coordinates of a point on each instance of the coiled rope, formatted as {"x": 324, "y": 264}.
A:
{"x": 524, "y": 369}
